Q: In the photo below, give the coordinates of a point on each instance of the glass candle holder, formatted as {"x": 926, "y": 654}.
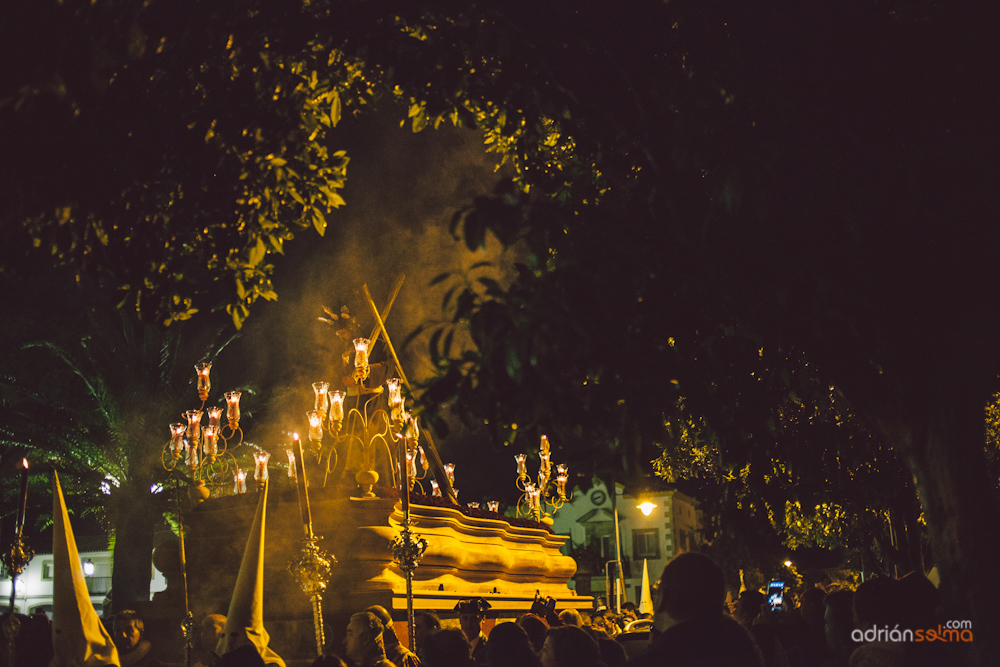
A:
{"x": 361, "y": 352}
{"x": 337, "y": 405}
{"x": 193, "y": 424}
{"x": 177, "y": 439}
{"x": 233, "y": 407}
{"x": 215, "y": 417}
{"x": 204, "y": 382}
{"x": 240, "y": 481}
{"x": 210, "y": 446}
{"x": 321, "y": 389}
{"x": 260, "y": 471}
{"x": 315, "y": 425}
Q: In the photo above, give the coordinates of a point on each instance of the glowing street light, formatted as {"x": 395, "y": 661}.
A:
{"x": 646, "y": 508}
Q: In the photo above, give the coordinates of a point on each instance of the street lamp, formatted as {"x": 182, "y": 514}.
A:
{"x": 646, "y": 507}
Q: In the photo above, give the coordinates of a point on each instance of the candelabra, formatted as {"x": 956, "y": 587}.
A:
{"x": 537, "y": 499}
{"x": 205, "y": 450}
{"x": 313, "y": 567}
{"x": 407, "y": 547}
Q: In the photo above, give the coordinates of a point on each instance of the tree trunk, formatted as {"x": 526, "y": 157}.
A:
{"x": 947, "y": 461}
{"x": 135, "y": 523}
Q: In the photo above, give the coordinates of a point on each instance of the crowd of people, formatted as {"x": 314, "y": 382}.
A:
{"x": 692, "y": 625}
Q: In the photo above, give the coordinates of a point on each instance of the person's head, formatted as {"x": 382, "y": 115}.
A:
{"x": 747, "y": 607}
{"x": 509, "y": 646}
{"x": 424, "y": 623}
{"x": 612, "y": 653}
{"x": 691, "y": 586}
{"x": 210, "y": 630}
{"x": 838, "y": 620}
{"x": 879, "y": 601}
{"x": 571, "y": 617}
{"x": 535, "y": 628}
{"x": 569, "y": 646}
{"x": 471, "y": 614}
{"x": 128, "y": 630}
{"x": 363, "y": 631}
{"x": 811, "y": 606}
{"x": 382, "y": 614}
{"x": 922, "y": 599}
{"x": 446, "y": 648}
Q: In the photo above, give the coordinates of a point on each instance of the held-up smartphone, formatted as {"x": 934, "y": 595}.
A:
{"x": 775, "y": 595}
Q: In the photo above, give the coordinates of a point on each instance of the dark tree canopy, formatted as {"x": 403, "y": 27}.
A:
{"x": 709, "y": 197}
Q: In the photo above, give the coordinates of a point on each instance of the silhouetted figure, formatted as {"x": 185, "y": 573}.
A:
{"x": 424, "y": 623}
{"x": 471, "y": 614}
{"x": 689, "y": 621}
{"x": 535, "y": 628}
{"x": 838, "y": 623}
{"x": 363, "y": 643}
{"x": 446, "y": 648}
{"x": 133, "y": 649}
{"x": 207, "y": 638}
{"x": 571, "y": 617}
{"x": 569, "y": 646}
{"x": 509, "y": 646}
{"x": 394, "y": 651}
{"x": 612, "y": 653}
{"x": 810, "y": 627}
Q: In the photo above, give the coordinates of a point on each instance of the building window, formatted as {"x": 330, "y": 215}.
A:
{"x": 47, "y": 570}
{"x": 646, "y": 543}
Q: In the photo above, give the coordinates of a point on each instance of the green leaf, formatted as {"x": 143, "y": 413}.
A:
{"x": 279, "y": 161}
{"x": 441, "y": 277}
{"x": 335, "y": 110}
{"x": 319, "y": 221}
{"x": 257, "y": 253}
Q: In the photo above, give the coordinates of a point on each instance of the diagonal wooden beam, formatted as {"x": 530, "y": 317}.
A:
{"x": 435, "y": 458}
{"x": 377, "y": 329}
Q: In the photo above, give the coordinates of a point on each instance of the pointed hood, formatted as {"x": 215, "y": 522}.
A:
{"x": 78, "y": 638}
{"x": 645, "y": 599}
{"x": 245, "y": 620}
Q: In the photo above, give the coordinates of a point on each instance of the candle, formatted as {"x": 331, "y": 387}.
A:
{"x": 194, "y": 424}
{"x": 361, "y": 352}
{"x": 395, "y": 398}
{"x": 215, "y": 418}
{"x": 177, "y": 440}
{"x": 449, "y": 470}
{"x": 337, "y": 405}
{"x": 233, "y": 408}
{"x": 260, "y": 472}
{"x": 315, "y": 418}
{"x": 321, "y": 389}
{"x": 240, "y": 481}
{"x": 300, "y": 485}
{"x": 291, "y": 463}
{"x": 521, "y": 459}
{"x": 204, "y": 382}
{"x": 23, "y": 506}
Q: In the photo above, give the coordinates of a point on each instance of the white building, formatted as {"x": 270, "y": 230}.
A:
{"x": 34, "y": 587}
{"x": 672, "y": 526}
